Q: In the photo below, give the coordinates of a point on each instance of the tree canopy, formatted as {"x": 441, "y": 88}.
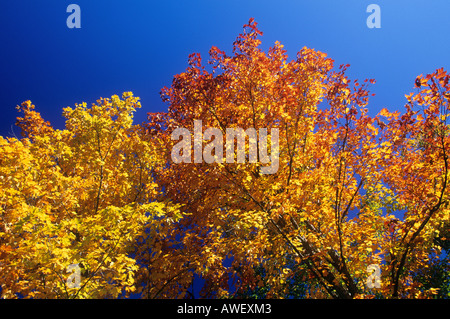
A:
{"x": 349, "y": 190}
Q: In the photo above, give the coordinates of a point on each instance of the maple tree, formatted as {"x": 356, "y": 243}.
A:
{"x": 333, "y": 207}
{"x": 82, "y": 195}
{"x": 350, "y": 190}
{"x": 415, "y": 164}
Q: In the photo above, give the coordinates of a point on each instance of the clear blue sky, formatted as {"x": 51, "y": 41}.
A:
{"x": 139, "y": 45}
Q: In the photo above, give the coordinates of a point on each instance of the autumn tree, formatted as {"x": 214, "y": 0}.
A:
{"x": 316, "y": 192}
{"x": 334, "y": 204}
{"x": 414, "y": 158}
{"x": 84, "y": 196}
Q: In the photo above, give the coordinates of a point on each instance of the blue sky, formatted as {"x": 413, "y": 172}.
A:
{"x": 139, "y": 45}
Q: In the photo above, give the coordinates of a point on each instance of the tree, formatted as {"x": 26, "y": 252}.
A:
{"x": 83, "y": 195}
{"x": 415, "y": 163}
{"x": 437, "y": 275}
{"x": 334, "y": 203}
{"x": 139, "y": 212}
